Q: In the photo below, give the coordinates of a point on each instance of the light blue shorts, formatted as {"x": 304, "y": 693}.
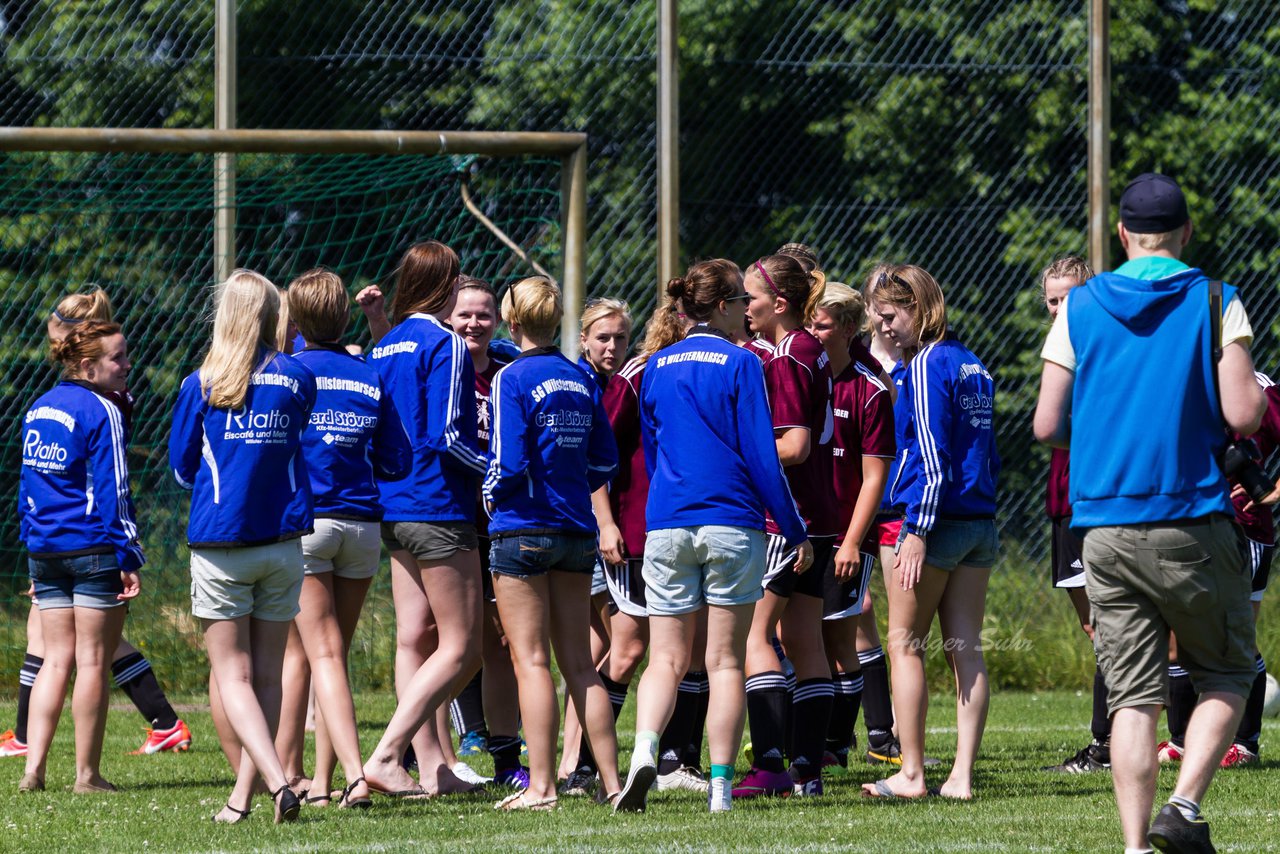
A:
{"x": 685, "y": 568}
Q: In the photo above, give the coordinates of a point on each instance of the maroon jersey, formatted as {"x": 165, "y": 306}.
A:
{"x": 763, "y": 349}
{"x": 863, "y": 416}
{"x": 630, "y": 488}
{"x": 1056, "y": 503}
{"x": 1259, "y": 523}
{"x": 798, "y": 378}
{"x": 484, "y": 425}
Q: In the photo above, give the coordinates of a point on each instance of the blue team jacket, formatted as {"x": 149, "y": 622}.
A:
{"x": 1144, "y": 449}
{"x": 552, "y": 446}
{"x": 708, "y": 440}
{"x": 428, "y": 372}
{"x": 73, "y": 493}
{"x": 245, "y": 467}
{"x": 354, "y": 435}
{"x": 947, "y": 463}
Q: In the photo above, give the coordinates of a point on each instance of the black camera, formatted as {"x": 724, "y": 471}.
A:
{"x": 1240, "y": 464}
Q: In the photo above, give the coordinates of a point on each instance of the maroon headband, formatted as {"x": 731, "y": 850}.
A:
{"x": 769, "y": 281}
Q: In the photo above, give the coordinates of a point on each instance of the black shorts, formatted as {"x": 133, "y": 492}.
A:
{"x": 780, "y": 577}
{"x": 1068, "y": 557}
{"x": 843, "y": 599}
{"x": 1260, "y": 566}
{"x": 626, "y": 586}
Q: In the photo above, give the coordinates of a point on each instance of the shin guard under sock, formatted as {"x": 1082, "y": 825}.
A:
{"x": 812, "y": 714}
{"x": 679, "y": 732}
{"x": 1182, "y": 702}
{"x": 767, "y": 707}
{"x": 844, "y": 711}
{"x": 1250, "y": 729}
{"x": 877, "y": 707}
{"x": 134, "y": 676}
{"x": 467, "y": 709}
{"x": 26, "y": 679}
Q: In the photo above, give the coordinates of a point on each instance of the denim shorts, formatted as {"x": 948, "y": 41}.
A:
{"x": 956, "y": 542}
{"x": 529, "y": 555}
{"x": 685, "y": 568}
{"x": 85, "y": 581}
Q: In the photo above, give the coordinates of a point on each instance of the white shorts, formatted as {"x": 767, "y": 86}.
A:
{"x": 259, "y": 581}
{"x": 349, "y": 548}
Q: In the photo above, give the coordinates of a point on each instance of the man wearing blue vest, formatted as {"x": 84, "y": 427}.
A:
{"x": 1129, "y": 386}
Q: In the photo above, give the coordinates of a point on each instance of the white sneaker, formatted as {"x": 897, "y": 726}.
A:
{"x": 469, "y": 775}
{"x": 636, "y": 790}
{"x": 720, "y": 794}
{"x": 684, "y": 777}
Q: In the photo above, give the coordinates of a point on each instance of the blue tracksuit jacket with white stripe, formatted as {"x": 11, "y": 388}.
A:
{"x": 947, "y": 463}
{"x": 354, "y": 435}
{"x": 428, "y": 372}
{"x": 245, "y": 466}
{"x": 708, "y": 439}
{"x": 73, "y": 493}
{"x": 552, "y": 446}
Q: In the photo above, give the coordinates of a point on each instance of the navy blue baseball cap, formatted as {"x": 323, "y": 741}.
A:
{"x": 1153, "y": 204}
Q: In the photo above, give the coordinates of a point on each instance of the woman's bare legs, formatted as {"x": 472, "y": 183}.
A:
{"x": 600, "y": 646}
{"x": 960, "y": 616}
{"x": 910, "y": 616}
{"x": 246, "y": 657}
{"x": 455, "y": 659}
{"x": 326, "y": 642}
{"x": 296, "y": 689}
{"x": 79, "y": 638}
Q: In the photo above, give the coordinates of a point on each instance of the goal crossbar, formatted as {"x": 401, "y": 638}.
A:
{"x": 571, "y": 148}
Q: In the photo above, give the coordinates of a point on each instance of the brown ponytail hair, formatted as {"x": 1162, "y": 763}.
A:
{"x": 425, "y": 279}
{"x": 785, "y": 277}
{"x": 703, "y": 287}
{"x": 83, "y": 342}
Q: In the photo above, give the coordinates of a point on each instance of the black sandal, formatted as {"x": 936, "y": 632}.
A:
{"x": 317, "y": 799}
{"x": 242, "y": 813}
{"x": 345, "y": 801}
{"x": 287, "y": 803}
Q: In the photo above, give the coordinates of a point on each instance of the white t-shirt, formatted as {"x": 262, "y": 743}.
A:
{"x": 1057, "y": 347}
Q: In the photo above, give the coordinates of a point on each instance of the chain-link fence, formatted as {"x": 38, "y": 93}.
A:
{"x": 950, "y": 133}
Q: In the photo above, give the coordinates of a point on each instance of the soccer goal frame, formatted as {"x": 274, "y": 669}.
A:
{"x": 571, "y": 148}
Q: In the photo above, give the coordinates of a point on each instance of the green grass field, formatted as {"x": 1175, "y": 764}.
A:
{"x": 165, "y": 802}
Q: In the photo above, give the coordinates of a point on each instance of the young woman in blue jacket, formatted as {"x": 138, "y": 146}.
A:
{"x": 236, "y": 443}
{"x": 552, "y": 447}
{"x": 354, "y": 435}
{"x": 713, "y": 471}
{"x": 77, "y": 521}
{"x": 944, "y": 484}
{"x": 429, "y": 522}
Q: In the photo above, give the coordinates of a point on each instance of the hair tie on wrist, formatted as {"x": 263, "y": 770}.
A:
{"x": 769, "y": 281}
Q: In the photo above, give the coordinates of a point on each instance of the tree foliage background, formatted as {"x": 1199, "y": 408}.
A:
{"x": 948, "y": 133}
